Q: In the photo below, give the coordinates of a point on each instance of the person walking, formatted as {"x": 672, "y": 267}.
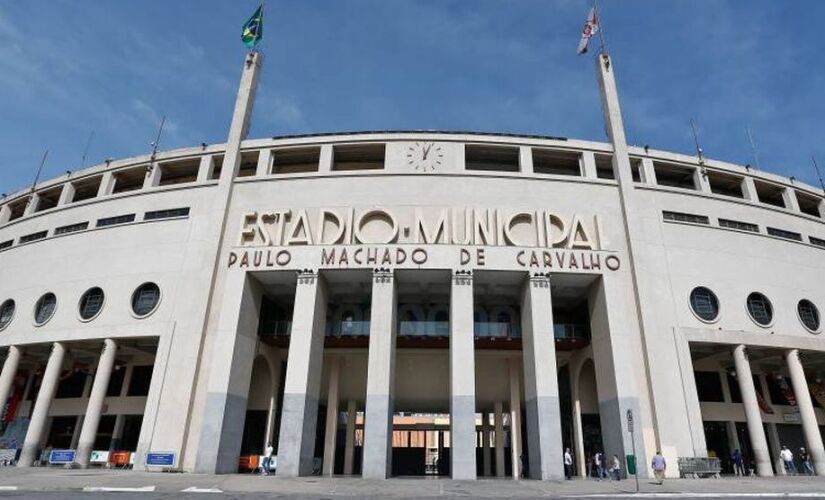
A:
{"x": 616, "y": 468}
{"x": 267, "y": 459}
{"x": 568, "y": 464}
{"x": 738, "y": 463}
{"x": 805, "y": 460}
{"x": 601, "y": 465}
{"x": 659, "y": 466}
{"x": 787, "y": 459}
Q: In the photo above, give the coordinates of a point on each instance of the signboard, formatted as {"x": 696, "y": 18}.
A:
{"x": 792, "y": 418}
{"x": 61, "y": 457}
{"x": 99, "y": 457}
{"x": 160, "y": 459}
{"x": 630, "y": 421}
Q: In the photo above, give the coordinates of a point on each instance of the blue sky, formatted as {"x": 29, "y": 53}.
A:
{"x": 68, "y": 67}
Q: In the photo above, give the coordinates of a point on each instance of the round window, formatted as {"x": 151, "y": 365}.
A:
{"x": 760, "y": 309}
{"x": 808, "y": 314}
{"x": 145, "y": 299}
{"x": 704, "y": 304}
{"x": 6, "y": 313}
{"x": 44, "y": 309}
{"x": 91, "y": 303}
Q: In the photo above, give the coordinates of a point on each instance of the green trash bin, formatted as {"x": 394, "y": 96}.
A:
{"x": 631, "y": 464}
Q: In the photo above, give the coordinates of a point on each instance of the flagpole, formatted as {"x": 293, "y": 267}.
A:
{"x": 818, "y": 173}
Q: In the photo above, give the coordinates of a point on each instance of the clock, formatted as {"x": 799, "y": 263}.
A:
{"x": 425, "y": 156}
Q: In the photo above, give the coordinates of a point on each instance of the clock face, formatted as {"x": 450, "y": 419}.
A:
{"x": 425, "y": 156}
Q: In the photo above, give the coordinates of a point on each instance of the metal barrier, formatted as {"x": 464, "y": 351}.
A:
{"x": 696, "y": 467}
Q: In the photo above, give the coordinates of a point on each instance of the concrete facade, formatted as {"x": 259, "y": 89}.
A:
{"x": 378, "y": 275}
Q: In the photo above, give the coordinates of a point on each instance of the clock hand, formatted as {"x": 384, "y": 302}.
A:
{"x": 427, "y": 151}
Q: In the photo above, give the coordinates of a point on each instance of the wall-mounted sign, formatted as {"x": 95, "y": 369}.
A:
{"x": 99, "y": 457}
{"x": 61, "y": 457}
{"x": 160, "y": 459}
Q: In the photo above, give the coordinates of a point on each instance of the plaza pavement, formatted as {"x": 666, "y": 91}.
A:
{"x": 96, "y": 480}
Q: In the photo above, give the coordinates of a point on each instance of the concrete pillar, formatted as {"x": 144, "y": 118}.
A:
{"x": 51, "y": 377}
{"x": 31, "y": 205}
{"x": 8, "y": 373}
{"x": 700, "y": 179}
{"x": 377, "y": 450}
{"x": 806, "y": 410}
{"x": 274, "y": 363}
{"x": 94, "y": 408}
{"x": 349, "y": 449}
{"x": 5, "y": 213}
{"x": 578, "y": 436}
{"x": 498, "y": 420}
{"x": 541, "y": 387}
{"x": 117, "y": 432}
{"x": 326, "y": 158}
{"x": 107, "y": 184}
{"x": 153, "y": 177}
{"x": 66, "y": 194}
{"x": 525, "y": 154}
{"x": 296, "y": 446}
{"x": 775, "y": 447}
{"x": 264, "y": 161}
{"x": 331, "y": 430}
{"x": 485, "y": 444}
{"x": 755, "y": 430}
{"x": 647, "y": 172}
{"x": 789, "y": 199}
{"x": 749, "y": 189}
{"x": 204, "y": 168}
{"x": 589, "y": 165}
{"x": 462, "y": 379}
{"x": 515, "y": 417}
{"x": 78, "y": 425}
{"x": 821, "y": 207}
{"x": 230, "y": 372}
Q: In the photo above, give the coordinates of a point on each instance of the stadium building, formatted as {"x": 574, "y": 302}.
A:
{"x": 413, "y": 303}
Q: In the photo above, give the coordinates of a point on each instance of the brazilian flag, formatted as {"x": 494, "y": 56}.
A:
{"x": 253, "y": 29}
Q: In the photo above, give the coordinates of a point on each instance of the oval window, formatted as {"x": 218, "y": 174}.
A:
{"x": 145, "y": 299}
{"x": 808, "y": 315}
{"x": 44, "y": 309}
{"x": 91, "y": 303}
{"x": 704, "y": 304}
{"x": 760, "y": 309}
{"x": 6, "y": 313}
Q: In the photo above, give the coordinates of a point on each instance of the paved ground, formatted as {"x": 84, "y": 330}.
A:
{"x": 53, "y": 484}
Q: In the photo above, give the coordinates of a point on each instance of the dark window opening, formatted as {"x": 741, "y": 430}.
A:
{"x": 48, "y": 199}
{"x": 814, "y": 241}
{"x": 105, "y": 429}
{"x": 769, "y": 194}
{"x": 726, "y": 185}
{"x": 71, "y": 228}
{"x": 33, "y": 237}
{"x": 119, "y": 219}
{"x": 7, "y": 244}
{"x": 676, "y": 176}
{"x": 116, "y": 381}
{"x": 249, "y": 164}
{"x": 167, "y": 214}
{"x": 91, "y": 303}
{"x": 86, "y": 189}
{"x": 636, "y": 169}
{"x": 44, "y": 309}
{"x": 141, "y": 379}
{"x": 217, "y": 167}
{"x": 782, "y": 233}
{"x": 130, "y": 180}
{"x": 775, "y": 383}
{"x": 145, "y": 299}
{"x": 17, "y": 209}
{"x": 358, "y": 157}
{"x": 179, "y": 172}
{"x": 547, "y": 161}
{"x": 604, "y": 167}
{"x": 741, "y": 226}
{"x": 491, "y": 158}
{"x": 704, "y": 303}
{"x": 808, "y": 204}
{"x": 71, "y": 386}
{"x": 709, "y": 387}
{"x": 760, "y": 309}
{"x": 684, "y": 217}
{"x": 808, "y": 314}
{"x": 295, "y": 160}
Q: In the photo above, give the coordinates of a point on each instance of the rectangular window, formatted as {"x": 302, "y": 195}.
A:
{"x": 34, "y": 236}
{"x": 86, "y": 189}
{"x": 130, "y": 179}
{"x": 741, "y": 226}
{"x": 167, "y": 214}
{"x": 178, "y": 172}
{"x": 358, "y": 157}
{"x": 295, "y": 160}
{"x": 604, "y": 167}
{"x": 71, "y": 228}
{"x": 709, "y": 386}
{"x": 17, "y": 209}
{"x": 769, "y": 194}
{"x": 676, "y": 176}
{"x": 491, "y": 158}
{"x": 808, "y": 204}
{"x": 9, "y": 243}
{"x": 724, "y": 184}
{"x": 120, "y": 219}
{"x": 814, "y": 241}
{"x": 141, "y": 379}
{"x": 249, "y": 164}
{"x": 683, "y": 217}
{"x": 547, "y": 161}
{"x": 115, "y": 382}
{"x": 782, "y": 233}
{"x": 71, "y": 386}
{"x": 48, "y": 199}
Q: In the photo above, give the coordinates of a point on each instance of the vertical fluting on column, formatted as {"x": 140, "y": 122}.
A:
{"x": 42, "y": 404}
{"x": 377, "y": 449}
{"x": 462, "y": 378}
{"x": 806, "y": 411}
{"x": 95, "y": 405}
{"x": 331, "y": 430}
{"x": 757, "y": 433}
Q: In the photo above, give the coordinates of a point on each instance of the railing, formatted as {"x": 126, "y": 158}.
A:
{"x": 279, "y": 328}
{"x": 424, "y": 328}
{"x": 571, "y": 331}
{"x": 495, "y": 329}
{"x": 348, "y": 328}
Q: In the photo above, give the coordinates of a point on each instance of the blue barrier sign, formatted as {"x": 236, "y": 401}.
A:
{"x": 60, "y": 457}
{"x": 160, "y": 459}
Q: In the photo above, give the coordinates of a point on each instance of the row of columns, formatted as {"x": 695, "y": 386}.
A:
{"x": 302, "y": 382}
{"x": 756, "y": 431}
{"x": 45, "y": 396}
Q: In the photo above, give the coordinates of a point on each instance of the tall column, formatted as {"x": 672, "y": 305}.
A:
{"x": 274, "y": 363}
{"x": 578, "y": 434}
{"x": 8, "y": 373}
{"x": 349, "y": 449}
{"x": 296, "y": 446}
{"x": 806, "y": 410}
{"x": 755, "y": 430}
{"x": 95, "y": 405}
{"x": 515, "y": 418}
{"x": 774, "y": 448}
{"x": 541, "y": 386}
{"x": 331, "y": 430}
{"x": 485, "y": 444}
{"x": 377, "y": 449}
{"x": 462, "y": 379}
{"x": 40, "y": 412}
{"x": 498, "y": 419}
